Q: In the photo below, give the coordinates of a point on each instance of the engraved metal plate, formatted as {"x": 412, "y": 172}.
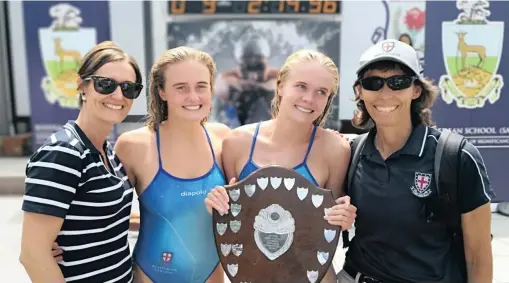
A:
{"x": 235, "y": 209}
{"x": 275, "y": 227}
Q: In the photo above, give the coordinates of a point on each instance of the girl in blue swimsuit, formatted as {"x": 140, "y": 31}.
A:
{"x": 174, "y": 161}
{"x": 294, "y": 138}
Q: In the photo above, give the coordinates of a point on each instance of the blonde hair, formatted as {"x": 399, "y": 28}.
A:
{"x": 306, "y": 55}
{"x": 158, "y": 108}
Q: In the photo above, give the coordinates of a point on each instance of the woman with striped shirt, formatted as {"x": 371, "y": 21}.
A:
{"x": 77, "y": 193}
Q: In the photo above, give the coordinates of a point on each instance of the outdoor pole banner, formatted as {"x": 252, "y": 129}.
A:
{"x": 467, "y": 55}
{"x": 57, "y": 36}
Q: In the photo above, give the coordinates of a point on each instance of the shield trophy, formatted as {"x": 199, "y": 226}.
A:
{"x": 275, "y": 230}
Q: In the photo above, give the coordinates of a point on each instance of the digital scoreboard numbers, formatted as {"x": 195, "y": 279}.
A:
{"x": 212, "y": 7}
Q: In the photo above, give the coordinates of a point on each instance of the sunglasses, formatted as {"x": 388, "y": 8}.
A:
{"x": 107, "y": 86}
{"x": 394, "y": 82}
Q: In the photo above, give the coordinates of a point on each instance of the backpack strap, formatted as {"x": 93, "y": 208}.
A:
{"x": 356, "y": 146}
{"x": 447, "y": 163}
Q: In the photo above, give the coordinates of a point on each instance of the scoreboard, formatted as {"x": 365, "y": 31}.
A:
{"x": 212, "y": 7}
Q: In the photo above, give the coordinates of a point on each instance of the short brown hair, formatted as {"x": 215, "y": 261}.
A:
{"x": 158, "y": 108}
{"x": 102, "y": 54}
{"x": 420, "y": 112}
{"x": 306, "y": 56}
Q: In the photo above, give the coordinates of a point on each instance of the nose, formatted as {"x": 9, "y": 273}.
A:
{"x": 117, "y": 94}
{"x": 307, "y": 96}
{"x": 193, "y": 96}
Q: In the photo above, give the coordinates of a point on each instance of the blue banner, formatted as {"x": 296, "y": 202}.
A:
{"x": 467, "y": 55}
{"x": 57, "y": 36}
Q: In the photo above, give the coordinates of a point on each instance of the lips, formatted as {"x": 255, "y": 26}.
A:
{"x": 386, "y": 109}
{"x": 192, "y": 107}
{"x": 113, "y": 106}
{"x": 303, "y": 109}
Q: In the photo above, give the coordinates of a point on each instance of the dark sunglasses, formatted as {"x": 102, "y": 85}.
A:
{"x": 394, "y": 82}
{"x": 107, "y": 86}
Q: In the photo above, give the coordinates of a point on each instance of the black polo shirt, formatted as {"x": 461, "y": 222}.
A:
{"x": 393, "y": 240}
{"x": 67, "y": 178}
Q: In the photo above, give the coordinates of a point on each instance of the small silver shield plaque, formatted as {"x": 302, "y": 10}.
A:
{"x": 289, "y": 182}
{"x": 262, "y": 182}
{"x": 275, "y": 182}
{"x": 329, "y": 234}
{"x": 234, "y": 194}
{"x": 237, "y": 249}
{"x": 250, "y": 190}
{"x": 221, "y": 228}
{"x": 317, "y": 200}
{"x": 312, "y": 276}
{"x": 235, "y": 208}
{"x": 225, "y": 249}
{"x": 322, "y": 257}
{"x": 302, "y": 193}
{"x": 233, "y": 269}
{"x": 235, "y": 226}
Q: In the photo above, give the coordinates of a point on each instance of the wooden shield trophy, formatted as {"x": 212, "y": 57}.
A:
{"x": 275, "y": 230}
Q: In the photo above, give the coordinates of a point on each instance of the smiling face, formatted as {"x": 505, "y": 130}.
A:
{"x": 110, "y": 108}
{"x": 305, "y": 91}
{"x": 187, "y": 90}
{"x": 388, "y": 107}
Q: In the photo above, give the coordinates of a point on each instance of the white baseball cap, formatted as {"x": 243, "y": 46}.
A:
{"x": 391, "y": 50}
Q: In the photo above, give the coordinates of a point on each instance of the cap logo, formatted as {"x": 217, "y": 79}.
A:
{"x": 388, "y": 46}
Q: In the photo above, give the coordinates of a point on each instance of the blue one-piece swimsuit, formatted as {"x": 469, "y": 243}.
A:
{"x": 176, "y": 239}
{"x": 302, "y": 168}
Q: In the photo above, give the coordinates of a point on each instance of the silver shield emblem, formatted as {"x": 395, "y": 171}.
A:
{"x": 312, "y": 275}
{"x": 275, "y": 182}
{"x": 233, "y": 269}
{"x": 274, "y": 228}
{"x": 225, "y": 249}
{"x": 289, "y": 182}
{"x": 235, "y": 208}
{"x": 317, "y": 200}
{"x": 329, "y": 234}
{"x": 234, "y": 194}
{"x": 237, "y": 249}
{"x": 250, "y": 190}
{"x": 322, "y": 257}
{"x": 221, "y": 228}
{"x": 302, "y": 193}
{"x": 235, "y": 226}
{"x": 262, "y": 182}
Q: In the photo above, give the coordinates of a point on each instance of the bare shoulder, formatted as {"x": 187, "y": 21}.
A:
{"x": 240, "y": 137}
{"x": 134, "y": 141}
{"x": 218, "y": 129}
{"x": 336, "y": 146}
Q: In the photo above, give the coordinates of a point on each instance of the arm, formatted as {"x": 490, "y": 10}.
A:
{"x": 338, "y": 157}
{"x": 49, "y": 190}
{"x": 474, "y": 197}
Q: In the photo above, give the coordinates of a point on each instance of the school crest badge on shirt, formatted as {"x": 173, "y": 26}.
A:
{"x": 421, "y": 187}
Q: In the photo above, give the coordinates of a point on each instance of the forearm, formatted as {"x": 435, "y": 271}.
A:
{"x": 42, "y": 268}
{"x": 480, "y": 269}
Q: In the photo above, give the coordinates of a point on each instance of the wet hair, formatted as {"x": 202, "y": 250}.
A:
{"x": 420, "y": 112}
{"x": 102, "y": 54}
{"x": 306, "y": 55}
{"x": 158, "y": 108}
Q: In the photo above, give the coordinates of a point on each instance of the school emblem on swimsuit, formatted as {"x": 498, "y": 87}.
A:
{"x": 62, "y": 46}
{"x": 472, "y": 48}
{"x": 276, "y": 214}
{"x": 166, "y": 257}
{"x": 421, "y": 187}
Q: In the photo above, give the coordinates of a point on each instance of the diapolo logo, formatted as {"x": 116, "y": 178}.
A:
{"x": 193, "y": 194}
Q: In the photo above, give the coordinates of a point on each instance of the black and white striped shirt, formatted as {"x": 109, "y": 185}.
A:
{"x": 67, "y": 178}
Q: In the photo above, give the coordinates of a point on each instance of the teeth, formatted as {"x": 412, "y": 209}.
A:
{"x": 113, "y": 106}
{"x": 385, "y": 109}
{"x": 192, "y": 107}
{"x": 305, "y": 110}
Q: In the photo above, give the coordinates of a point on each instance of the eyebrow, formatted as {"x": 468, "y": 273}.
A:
{"x": 321, "y": 88}
{"x": 183, "y": 84}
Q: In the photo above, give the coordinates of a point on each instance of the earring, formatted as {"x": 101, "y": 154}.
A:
{"x": 83, "y": 98}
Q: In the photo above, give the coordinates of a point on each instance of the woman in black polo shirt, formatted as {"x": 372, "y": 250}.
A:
{"x": 76, "y": 190}
{"x": 397, "y": 238}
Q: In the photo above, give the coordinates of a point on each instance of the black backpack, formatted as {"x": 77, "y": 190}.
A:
{"x": 447, "y": 161}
